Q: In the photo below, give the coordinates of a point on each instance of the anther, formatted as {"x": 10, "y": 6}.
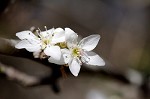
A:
{"x": 39, "y": 29}
{"x": 45, "y": 28}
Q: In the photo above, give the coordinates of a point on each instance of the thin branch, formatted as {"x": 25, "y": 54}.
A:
{"x": 28, "y": 80}
{"x": 15, "y": 75}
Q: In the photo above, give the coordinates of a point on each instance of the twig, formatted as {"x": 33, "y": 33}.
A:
{"x": 63, "y": 72}
{"x": 15, "y": 75}
{"x": 28, "y": 80}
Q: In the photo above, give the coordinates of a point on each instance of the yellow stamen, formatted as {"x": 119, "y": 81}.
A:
{"x": 63, "y": 45}
{"x": 76, "y": 52}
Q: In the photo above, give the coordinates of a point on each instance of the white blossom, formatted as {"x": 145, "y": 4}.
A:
{"x": 78, "y": 53}
{"x": 45, "y": 41}
{"x": 61, "y": 47}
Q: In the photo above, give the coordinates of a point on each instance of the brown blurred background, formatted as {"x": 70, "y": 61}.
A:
{"x": 124, "y": 27}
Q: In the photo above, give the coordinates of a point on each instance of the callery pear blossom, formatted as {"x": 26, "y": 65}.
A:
{"x": 45, "y": 42}
{"x": 78, "y": 53}
{"x": 61, "y": 47}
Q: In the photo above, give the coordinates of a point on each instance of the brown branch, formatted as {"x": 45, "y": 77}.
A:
{"x": 7, "y": 46}
{"x": 28, "y": 80}
{"x": 15, "y": 75}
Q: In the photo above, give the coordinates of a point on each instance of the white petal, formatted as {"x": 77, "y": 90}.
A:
{"x": 84, "y": 57}
{"x": 53, "y": 51}
{"x": 67, "y": 58}
{"x": 57, "y": 30}
{"x": 44, "y": 34}
{"x": 51, "y": 30}
{"x": 65, "y": 51}
{"x": 59, "y": 35}
{"x": 66, "y": 55}
{"x": 37, "y": 54}
{"x": 71, "y": 36}
{"x": 59, "y": 62}
{"x": 74, "y": 67}
{"x": 28, "y": 35}
{"x": 47, "y": 33}
{"x": 95, "y": 59}
{"x": 28, "y": 46}
{"x": 90, "y": 42}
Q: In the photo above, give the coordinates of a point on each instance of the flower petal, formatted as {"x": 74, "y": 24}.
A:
{"x": 71, "y": 36}
{"x": 28, "y": 35}
{"x": 84, "y": 57}
{"x": 53, "y": 51}
{"x": 59, "y": 35}
{"x": 47, "y": 33}
{"x": 67, "y": 58}
{"x": 57, "y": 30}
{"x": 74, "y": 67}
{"x": 66, "y": 55}
{"x": 37, "y": 54}
{"x": 95, "y": 59}
{"x": 59, "y": 62}
{"x": 28, "y": 46}
{"x": 90, "y": 42}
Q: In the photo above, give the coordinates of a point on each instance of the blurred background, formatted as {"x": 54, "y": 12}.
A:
{"x": 124, "y": 26}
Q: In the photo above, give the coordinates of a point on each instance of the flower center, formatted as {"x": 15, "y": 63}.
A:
{"x": 45, "y": 42}
{"x": 76, "y": 52}
{"x": 63, "y": 45}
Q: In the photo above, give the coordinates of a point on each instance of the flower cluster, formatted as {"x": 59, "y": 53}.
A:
{"x": 61, "y": 47}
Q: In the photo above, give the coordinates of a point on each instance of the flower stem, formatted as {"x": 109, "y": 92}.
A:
{"x": 63, "y": 72}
